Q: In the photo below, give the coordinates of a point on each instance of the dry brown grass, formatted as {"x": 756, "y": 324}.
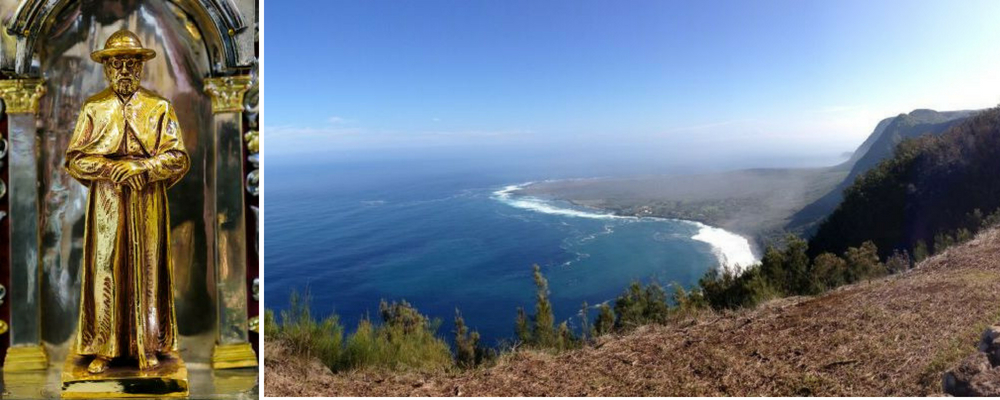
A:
{"x": 888, "y": 337}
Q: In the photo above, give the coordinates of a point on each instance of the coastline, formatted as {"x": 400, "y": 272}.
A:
{"x": 731, "y": 249}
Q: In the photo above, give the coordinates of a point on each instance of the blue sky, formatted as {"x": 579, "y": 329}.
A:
{"x": 686, "y": 78}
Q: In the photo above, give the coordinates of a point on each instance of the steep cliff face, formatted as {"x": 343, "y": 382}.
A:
{"x": 894, "y": 336}
{"x": 880, "y": 145}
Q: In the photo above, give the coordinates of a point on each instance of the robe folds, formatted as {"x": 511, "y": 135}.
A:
{"x": 127, "y": 304}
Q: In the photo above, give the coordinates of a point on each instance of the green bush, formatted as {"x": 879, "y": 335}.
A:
{"x": 723, "y": 288}
{"x": 468, "y": 354}
{"x": 920, "y": 251}
{"x": 640, "y": 306}
{"x": 404, "y": 341}
{"x": 605, "y": 321}
{"x": 829, "y": 271}
{"x": 686, "y": 303}
{"x": 308, "y": 337}
{"x": 270, "y": 325}
{"x": 863, "y": 262}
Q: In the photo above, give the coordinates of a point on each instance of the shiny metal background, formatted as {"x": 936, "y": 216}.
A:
{"x": 176, "y": 74}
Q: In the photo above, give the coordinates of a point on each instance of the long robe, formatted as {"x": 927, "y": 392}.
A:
{"x": 127, "y": 304}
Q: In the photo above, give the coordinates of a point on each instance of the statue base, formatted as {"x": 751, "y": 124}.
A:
{"x": 169, "y": 379}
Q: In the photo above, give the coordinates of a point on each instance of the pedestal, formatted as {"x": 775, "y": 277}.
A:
{"x": 236, "y": 355}
{"x": 169, "y": 379}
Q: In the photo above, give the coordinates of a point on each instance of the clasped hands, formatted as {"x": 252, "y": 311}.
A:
{"x": 129, "y": 173}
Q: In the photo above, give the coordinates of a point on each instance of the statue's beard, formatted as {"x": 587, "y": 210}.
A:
{"x": 125, "y": 85}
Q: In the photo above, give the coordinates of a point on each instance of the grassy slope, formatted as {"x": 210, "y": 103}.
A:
{"x": 892, "y": 336}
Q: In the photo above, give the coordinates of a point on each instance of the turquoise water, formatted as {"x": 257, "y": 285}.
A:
{"x": 353, "y": 235}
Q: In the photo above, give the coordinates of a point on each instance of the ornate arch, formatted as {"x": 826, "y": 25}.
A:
{"x": 229, "y": 42}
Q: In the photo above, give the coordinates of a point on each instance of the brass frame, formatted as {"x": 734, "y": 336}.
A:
{"x": 21, "y": 99}
{"x": 232, "y": 349}
{"x": 229, "y": 29}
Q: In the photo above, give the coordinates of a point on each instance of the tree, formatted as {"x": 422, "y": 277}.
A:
{"x": 796, "y": 266}
{"x": 544, "y": 329}
{"x": 863, "y": 262}
{"x": 523, "y": 327}
{"x": 829, "y": 271}
{"x": 639, "y": 306}
{"x": 467, "y": 351}
{"x": 605, "y": 321}
{"x": 920, "y": 251}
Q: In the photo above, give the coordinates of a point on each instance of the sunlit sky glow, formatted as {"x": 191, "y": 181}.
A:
{"x": 714, "y": 78}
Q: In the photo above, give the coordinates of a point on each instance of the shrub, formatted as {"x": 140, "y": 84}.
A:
{"x": 270, "y": 325}
{"x": 920, "y": 251}
{"x": 522, "y": 327}
{"x": 565, "y": 339}
{"x": 305, "y": 336}
{"x": 724, "y": 289}
{"x": 605, "y": 321}
{"x": 863, "y": 262}
{"x": 898, "y": 262}
{"x": 942, "y": 241}
{"x": 404, "y": 341}
{"x": 640, "y": 306}
{"x": 829, "y": 271}
{"x": 468, "y": 354}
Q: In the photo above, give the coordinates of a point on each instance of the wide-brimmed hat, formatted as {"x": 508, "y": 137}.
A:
{"x": 121, "y": 43}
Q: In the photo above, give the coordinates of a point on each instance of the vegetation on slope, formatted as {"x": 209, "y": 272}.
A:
{"x": 934, "y": 187}
{"x": 879, "y": 146}
{"x": 935, "y": 190}
{"x": 893, "y": 336}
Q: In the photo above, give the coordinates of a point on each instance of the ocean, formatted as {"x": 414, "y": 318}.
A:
{"x": 445, "y": 237}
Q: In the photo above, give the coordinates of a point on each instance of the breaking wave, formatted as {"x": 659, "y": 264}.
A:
{"x": 732, "y": 250}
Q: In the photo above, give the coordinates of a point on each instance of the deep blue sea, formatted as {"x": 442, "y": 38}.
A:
{"x": 443, "y": 236}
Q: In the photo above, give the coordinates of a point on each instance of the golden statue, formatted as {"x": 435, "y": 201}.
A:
{"x": 127, "y": 150}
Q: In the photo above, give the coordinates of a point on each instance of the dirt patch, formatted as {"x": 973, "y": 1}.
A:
{"x": 888, "y": 337}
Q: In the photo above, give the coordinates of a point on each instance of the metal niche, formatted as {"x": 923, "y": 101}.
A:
{"x": 176, "y": 74}
{"x": 194, "y": 40}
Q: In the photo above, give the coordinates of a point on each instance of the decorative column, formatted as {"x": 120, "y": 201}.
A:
{"x": 26, "y": 351}
{"x": 232, "y": 348}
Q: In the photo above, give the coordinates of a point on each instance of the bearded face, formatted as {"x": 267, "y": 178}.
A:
{"x": 123, "y": 73}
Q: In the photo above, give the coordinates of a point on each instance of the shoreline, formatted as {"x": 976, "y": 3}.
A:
{"x": 731, "y": 249}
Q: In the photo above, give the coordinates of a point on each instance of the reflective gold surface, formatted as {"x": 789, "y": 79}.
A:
{"x": 46, "y": 276}
{"x": 127, "y": 149}
{"x": 232, "y": 349}
{"x": 204, "y": 383}
{"x": 253, "y": 141}
{"x": 25, "y": 358}
{"x": 21, "y": 95}
{"x": 176, "y": 74}
{"x": 236, "y": 355}
{"x": 227, "y": 92}
{"x": 170, "y": 379}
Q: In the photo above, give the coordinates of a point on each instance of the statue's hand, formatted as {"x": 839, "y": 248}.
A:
{"x": 122, "y": 170}
{"x": 137, "y": 182}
